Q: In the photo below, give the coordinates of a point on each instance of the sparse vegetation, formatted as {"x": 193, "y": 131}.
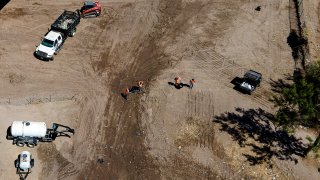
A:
{"x": 299, "y": 103}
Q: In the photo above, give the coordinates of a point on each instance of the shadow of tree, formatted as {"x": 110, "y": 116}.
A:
{"x": 254, "y": 128}
{"x": 3, "y": 3}
{"x": 278, "y": 85}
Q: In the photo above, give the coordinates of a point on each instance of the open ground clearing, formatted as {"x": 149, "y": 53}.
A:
{"x": 163, "y": 133}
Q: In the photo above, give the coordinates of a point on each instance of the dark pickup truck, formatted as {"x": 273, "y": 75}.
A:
{"x": 249, "y": 82}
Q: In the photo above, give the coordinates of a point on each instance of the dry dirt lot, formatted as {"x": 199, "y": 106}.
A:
{"x": 209, "y": 132}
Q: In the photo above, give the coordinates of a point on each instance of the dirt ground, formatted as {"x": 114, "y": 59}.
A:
{"x": 209, "y": 132}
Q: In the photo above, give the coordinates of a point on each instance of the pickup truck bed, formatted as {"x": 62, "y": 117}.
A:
{"x": 66, "y": 23}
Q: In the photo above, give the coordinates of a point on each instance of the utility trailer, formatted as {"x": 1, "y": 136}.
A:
{"x": 63, "y": 27}
{"x": 31, "y": 133}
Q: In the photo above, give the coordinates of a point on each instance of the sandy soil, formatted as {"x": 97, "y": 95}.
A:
{"x": 311, "y": 16}
{"x": 163, "y": 133}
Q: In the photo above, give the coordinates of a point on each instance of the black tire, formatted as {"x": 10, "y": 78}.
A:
{"x": 20, "y": 143}
{"x": 97, "y": 13}
{"x": 31, "y": 145}
{"x": 73, "y": 32}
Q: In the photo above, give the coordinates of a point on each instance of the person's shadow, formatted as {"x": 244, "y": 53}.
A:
{"x": 124, "y": 96}
{"x": 178, "y": 86}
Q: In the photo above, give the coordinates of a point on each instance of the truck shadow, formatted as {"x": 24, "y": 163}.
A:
{"x": 236, "y": 82}
{"x": 253, "y": 128}
{"x": 3, "y": 3}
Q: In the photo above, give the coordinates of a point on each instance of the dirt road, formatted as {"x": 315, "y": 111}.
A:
{"x": 163, "y": 133}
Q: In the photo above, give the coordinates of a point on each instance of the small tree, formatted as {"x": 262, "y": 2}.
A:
{"x": 299, "y": 103}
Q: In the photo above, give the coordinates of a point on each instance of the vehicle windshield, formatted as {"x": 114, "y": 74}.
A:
{"x": 251, "y": 81}
{"x": 47, "y": 43}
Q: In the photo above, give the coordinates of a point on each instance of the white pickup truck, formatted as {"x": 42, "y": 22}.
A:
{"x": 50, "y": 45}
{"x": 64, "y": 26}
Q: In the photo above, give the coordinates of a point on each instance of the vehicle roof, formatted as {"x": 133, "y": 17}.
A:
{"x": 251, "y": 74}
{"x": 89, "y": 3}
{"x": 52, "y": 35}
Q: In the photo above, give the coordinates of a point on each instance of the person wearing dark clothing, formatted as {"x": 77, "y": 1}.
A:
{"x": 140, "y": 84}
{"x": 135, "y": 89}
{"x": 191, "y": 83}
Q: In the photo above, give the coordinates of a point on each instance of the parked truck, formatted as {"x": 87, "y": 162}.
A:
{"x": 64, "y": 26}
{"x": 31, "y": 133}
{"x": 249, "y": 82}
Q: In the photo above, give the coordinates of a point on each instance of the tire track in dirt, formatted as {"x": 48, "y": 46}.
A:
{"x": 198, "y": 99}
{"x": 223, "y": 70}
{"x": 77, "y": 78}
{"x": 124, "y": 131}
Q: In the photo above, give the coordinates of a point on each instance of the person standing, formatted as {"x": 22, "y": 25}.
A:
{"x": 177, "y": 82}
{"x": 140, "y": 84}
{"x": 126, "y": 94}
{"x": 137, "y": 88}
{"x": 191, "y": 83}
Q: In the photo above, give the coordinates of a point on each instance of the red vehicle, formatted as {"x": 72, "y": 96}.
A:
{"x": 90, "y": 8}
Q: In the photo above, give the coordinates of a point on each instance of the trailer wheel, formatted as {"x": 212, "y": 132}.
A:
{"x": 31, "y": 145}
{"x": 73, "y": 32}
{"x": 20, "y": 143}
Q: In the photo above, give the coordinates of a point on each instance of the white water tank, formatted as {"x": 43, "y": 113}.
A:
{"x": 27, "y": 128}
{"x": 25, "y": 159}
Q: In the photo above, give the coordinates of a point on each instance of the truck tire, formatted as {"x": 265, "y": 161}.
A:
{"x": 73, "y": 32}
{"x": 20, "y": 143}
{"x": 31, "y": 145}
{"x": 97, "y": 13}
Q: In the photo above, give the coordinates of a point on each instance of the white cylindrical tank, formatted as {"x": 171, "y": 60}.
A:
{"x": 25, "y": 159}
{"x": 27, "y": 128}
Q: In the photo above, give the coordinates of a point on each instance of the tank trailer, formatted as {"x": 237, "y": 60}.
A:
{"x": 30, "y": 133}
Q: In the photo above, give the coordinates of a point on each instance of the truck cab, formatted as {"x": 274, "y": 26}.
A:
{"x": 50, "y": 45}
